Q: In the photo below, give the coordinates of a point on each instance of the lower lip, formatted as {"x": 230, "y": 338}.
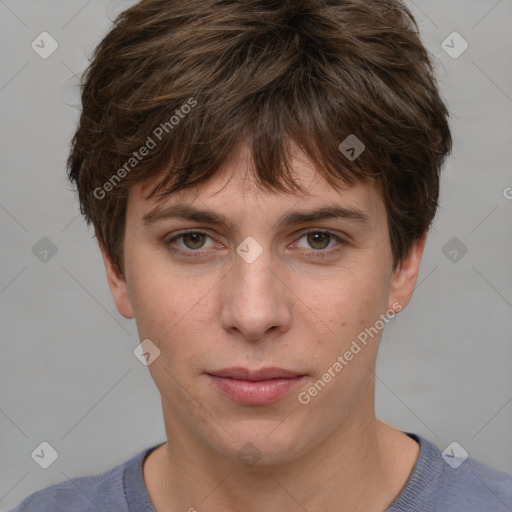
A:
{"x": 254, "y": 392}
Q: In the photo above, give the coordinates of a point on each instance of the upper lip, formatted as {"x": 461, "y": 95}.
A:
{"x": 240, "y": 373}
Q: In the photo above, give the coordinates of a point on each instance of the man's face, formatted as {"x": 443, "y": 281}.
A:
{"x": 211, "y": 300}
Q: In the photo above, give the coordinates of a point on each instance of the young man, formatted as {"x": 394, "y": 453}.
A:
{"x": 261, "y": 177}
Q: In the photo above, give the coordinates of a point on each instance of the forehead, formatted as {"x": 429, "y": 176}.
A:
{"x": 234, "y": 184}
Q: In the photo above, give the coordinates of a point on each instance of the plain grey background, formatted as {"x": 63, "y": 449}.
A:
{"x": 68, "y": 373}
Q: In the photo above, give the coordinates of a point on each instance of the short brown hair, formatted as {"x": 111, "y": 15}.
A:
{"x": 311, "y": 72}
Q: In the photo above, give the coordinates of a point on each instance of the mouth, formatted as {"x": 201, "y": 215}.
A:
{"x": 254, "y": 387}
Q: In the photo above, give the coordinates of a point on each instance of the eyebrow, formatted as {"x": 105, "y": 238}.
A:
{"x": 189, "y": 212}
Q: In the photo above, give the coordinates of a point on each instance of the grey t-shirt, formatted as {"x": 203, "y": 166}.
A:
{"x": 432, "y": 486}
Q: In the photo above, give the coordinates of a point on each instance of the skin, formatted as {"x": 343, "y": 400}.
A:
{"x": 282, "y": 310}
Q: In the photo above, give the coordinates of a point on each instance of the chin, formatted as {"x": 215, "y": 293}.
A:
{"x": 261, "y": 443}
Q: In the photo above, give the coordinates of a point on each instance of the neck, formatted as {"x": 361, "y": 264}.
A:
{"x": 362, "y": 466}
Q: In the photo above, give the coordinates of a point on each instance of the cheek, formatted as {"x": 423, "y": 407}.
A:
{"x": 349, "y": 309}
{"x": 349, "y": 351}
{"x": 353, "y": 302}
{"x": 163, "y": 297}
{"x": 171, "y": 314}
{"x": 176, "y": 312}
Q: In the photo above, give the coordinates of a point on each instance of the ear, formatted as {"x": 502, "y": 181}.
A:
{"x": 405, "y": 276}
{"x": 117, "y": 285}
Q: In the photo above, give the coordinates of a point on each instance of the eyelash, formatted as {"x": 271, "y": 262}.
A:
{"x": 318, "y": 253}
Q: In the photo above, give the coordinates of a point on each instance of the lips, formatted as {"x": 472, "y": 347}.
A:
{"x": 240, "y": 373}
{"x": 254, "y": 386}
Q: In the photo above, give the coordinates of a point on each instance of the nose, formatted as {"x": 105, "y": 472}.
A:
{"x": 256, "y": 300}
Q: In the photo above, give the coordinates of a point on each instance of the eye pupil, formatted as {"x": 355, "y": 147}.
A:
{"x": 196, "y": 237}
{"x": 314, "y": 235}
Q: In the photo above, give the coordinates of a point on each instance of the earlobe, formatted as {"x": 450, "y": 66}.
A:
{"x": 405, "y": 276}
{"x": 117, "y": 285}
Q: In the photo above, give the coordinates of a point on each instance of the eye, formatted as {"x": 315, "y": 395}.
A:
{"x": 320, "y": 240}
{"x": 193, "y": 241}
